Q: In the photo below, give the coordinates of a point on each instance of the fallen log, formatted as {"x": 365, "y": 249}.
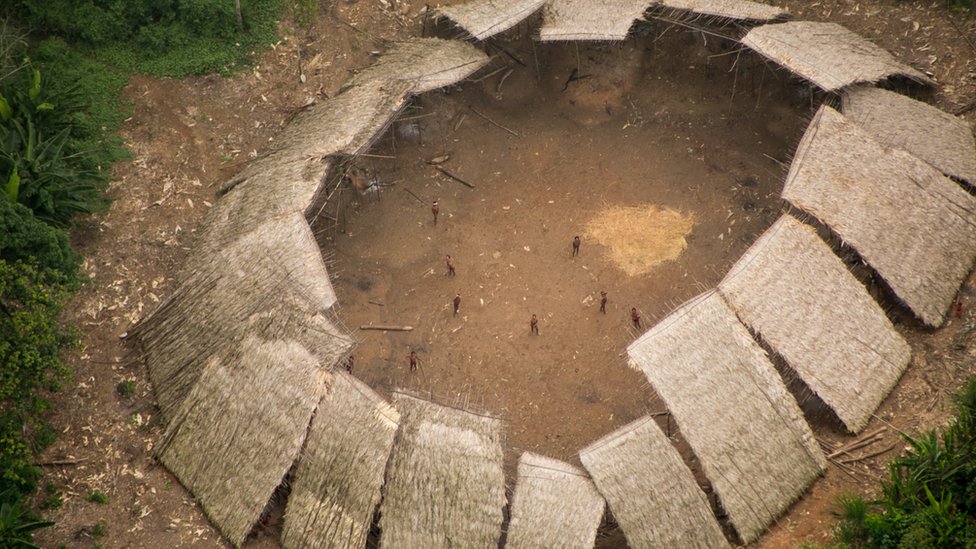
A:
{"x": 59, "y": 462}
{"x": 386, "y": 327}
{"x": 454, "y": 177}
{"x": 865, "y": 440}
{"x": 868, "y": 456}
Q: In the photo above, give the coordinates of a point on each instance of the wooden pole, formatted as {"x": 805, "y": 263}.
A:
{"x": 386, "y": 327}
{"x": 454, "y": 177}
{"x": 496, "y": 124}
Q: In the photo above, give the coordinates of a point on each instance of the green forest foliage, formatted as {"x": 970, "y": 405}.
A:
{"x": 29, "y": 240}
{"x": 31, "y": 340}
{"x": 159, "y": 37}
{"x": 60, "y": 109}
{"x": 39, "y": 168}
{"x": 929, "y": 499}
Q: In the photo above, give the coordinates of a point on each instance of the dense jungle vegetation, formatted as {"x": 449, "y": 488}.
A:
{"x": 929, "y": 499}
{"x": 63, "y": 66}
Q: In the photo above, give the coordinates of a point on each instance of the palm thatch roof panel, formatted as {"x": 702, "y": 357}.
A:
{"x": 282, "y": 246}
{"x": 221, "y": 301}
{"x": 736, "y": 10}
{"x": 555, "y": 505}
{"x": 286, "y": 178}
{"x": 241, "y": 428}
{"x": 208, "y": 318}
{"x": 485, "y": 18}
{"x": 272, "y": 186}
{"x": 826, "y": 54}
{"x": 590, "y": 19}
{"x": 791, "y": 289}
{"x": 327, "y": 128}
{"x": 913, "y": 225}
{"x": 652, "y": 493}
{"x": 732, "y": 408}
{"x": 338, "y": 480}
{"x": 445, "y": 486}
{"x": 424, "y": 64}
{"x": 348, "y": 122}
{"x": 936, "y": 137}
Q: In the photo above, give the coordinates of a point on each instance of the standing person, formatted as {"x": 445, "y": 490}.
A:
{"x": 603, "y": 302}
{"x": 450, "y": 265}
{"x": 413, "y": 360}
{"x": 534, "y": 325}
{"x": 635, "y": 317}
{"x": 349, "y": 361}
{"x": 457, "y": 304}
{"x": 576, "y": 243}
{"x": 435, "y": 209}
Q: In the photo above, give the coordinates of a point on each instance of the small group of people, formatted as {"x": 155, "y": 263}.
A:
{"x": 435, "y": 209}
{"x": 635, "y": 317}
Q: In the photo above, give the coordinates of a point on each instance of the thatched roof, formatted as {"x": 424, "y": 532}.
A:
{"x": 484, "y": 18}
{"x": 262, "y": 249}
{"x": 936, "y": 137}
{"x": 337, "y": 484}
{"x": 445, "y": 486}
{"x": 590, "y": 19}
{"x": 826, "y": 54}
{"x": 732, "y": 408}
{"x": 651, "y": 491}
{"x": 255, "y": 285}
{"x": 348, "y": 122}
{"x": 913, "y": 225}
{"x": 287, "y": 177}
{"x": 238, "y": 353}
{"x": 555, "y": 505}
{"x": 241, "y": 427}
{"x": 736, "y": 10}
{"x": 241, "y": 250}
{"x": 791, "y": 289}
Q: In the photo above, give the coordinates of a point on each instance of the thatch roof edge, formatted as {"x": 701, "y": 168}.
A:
{"x": 506, "y": 21}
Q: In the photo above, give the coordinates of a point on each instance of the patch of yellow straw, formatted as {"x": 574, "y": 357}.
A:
{"x": 639, "y": 238}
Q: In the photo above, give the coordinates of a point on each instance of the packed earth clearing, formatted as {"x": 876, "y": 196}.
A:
{"x": 665, "y": 180}
{"x": 190, "y": 136}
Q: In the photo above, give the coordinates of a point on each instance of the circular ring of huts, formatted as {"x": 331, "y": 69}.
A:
{"x": 245, "y": 356}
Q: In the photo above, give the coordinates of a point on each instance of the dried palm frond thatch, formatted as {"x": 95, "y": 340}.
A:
{"x": 590, "y": 19}
{"x": 729, "y": 10}
{"x": 287, "y": 177}
{"x": 234, "y": 437}
{"x": 826, "y": 54}
{"x": 555, "y": 505}
{"x": 238, "y": 353}
{"x": 337, "y": 484}
{"x": 445, "y": 486}
{"x": 241, "y": 256}
{"x": 271, "y": 281}
{"x": 913, "y": 225}
{"x": 791, "y": 289}
{"x": 936, "y": 137}
{"x": 651, "y": 491}
{"x": 732, "y": 408}
{"x": 485, "y": 18}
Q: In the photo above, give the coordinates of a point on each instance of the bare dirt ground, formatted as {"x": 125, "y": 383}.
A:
{"x": 656, "y": 124}
{"x": 656, "y": 138}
